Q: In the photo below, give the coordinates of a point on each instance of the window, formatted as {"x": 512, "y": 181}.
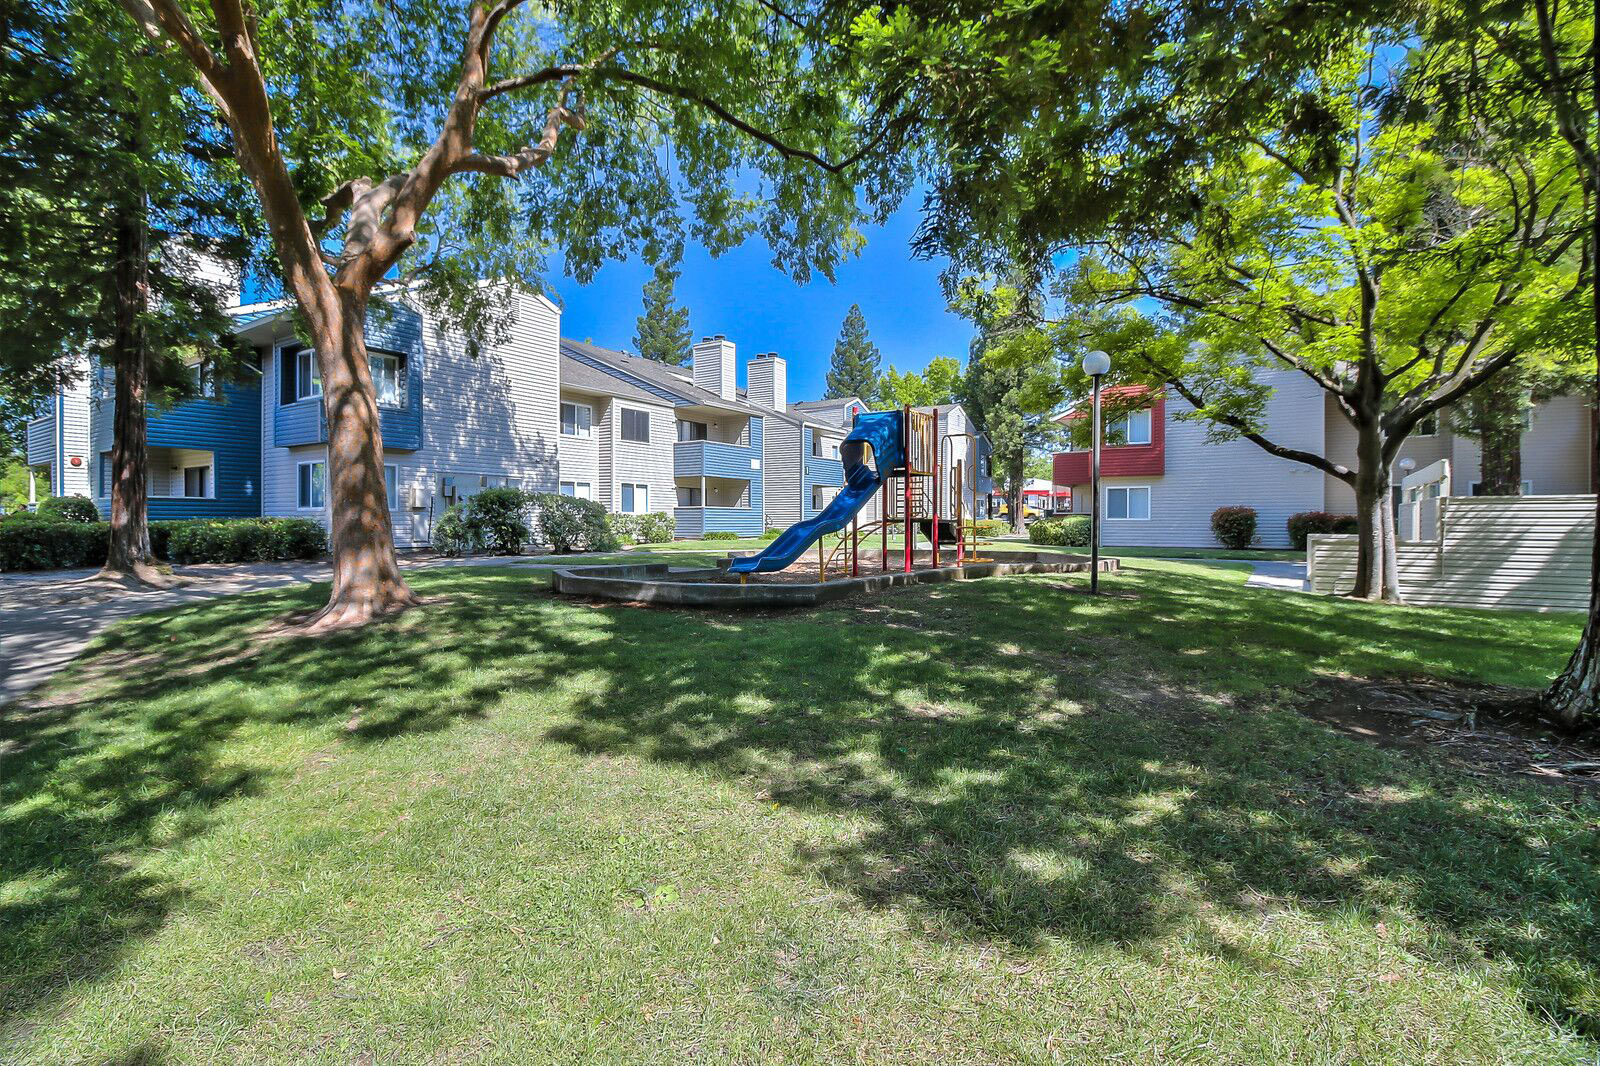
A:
{"x": 1130, "y": 503}
{"x": 105, "y": 474}
{"x": 1427, "y": 426}
{"x": 635, "y": 498}
{"x": 579, "y": 489}
{"x": 824, "y": 447}
{"x": 388, "y": 378}
{"x": 689, "y": 496}
{"x": 636, "y": 426}
{"x": 576, "y": 419}
{"x": 307, "y": 376}
{"x": 197, "y": 482}
{"x": 391, "y": 482}
{"x": 1131, "y": 428}
{"x": 821, "y": 496}
{"x": 691, "y": 431}
{"x": 313, "y": 486}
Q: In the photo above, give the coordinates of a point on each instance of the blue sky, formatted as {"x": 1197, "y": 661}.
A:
{"x": 760, "y": 309}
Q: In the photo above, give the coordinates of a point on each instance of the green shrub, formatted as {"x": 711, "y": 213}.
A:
{"x": 568, "y": 524}
{"x": 69, "y": 509}
{"x": 625, "y": 527}
{"x": 450, "y": 533}
{"x": 658, "y": 527}
{"x": 499, "y": 520}
{"x": 41, "y": 543}
{"x": 1234, "y": 527}
{"x": 771, "y": 533}
{"x": 1066, "y": 531}
{"x": 721, "y": 534}
{"x": 240, "y": 540}
{"x": 1306, "y": 523}
{"x": 992, "y": 527}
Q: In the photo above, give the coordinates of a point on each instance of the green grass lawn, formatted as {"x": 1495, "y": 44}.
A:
{"x": 989, "y": 822}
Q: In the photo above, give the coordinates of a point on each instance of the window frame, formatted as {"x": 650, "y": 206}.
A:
{"x": 307, "y": 357}
{"x": 391, "y": 484}
{"x": 1127, "y": 504}
{"x": 1125, "y": 423}
{"x": 693, "y": 491}
{"x": 622, "y": 424}
{"x": 586, "y": 494}
{"x": 306, "y": 487}
{"x": 400, "y": 362}
{"x": 207, "y": 483}
{"x": 1430, "y": 420}
{"x": 691, "y": 425}
{"x": 588, "y": 427}
{"x": 635, "y": 488}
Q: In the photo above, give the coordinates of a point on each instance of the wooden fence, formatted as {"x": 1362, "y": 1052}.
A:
{"x": 1522, "y": 552}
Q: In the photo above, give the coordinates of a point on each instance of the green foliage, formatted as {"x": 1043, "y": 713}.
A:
{"x": 1234, "y": 527}
{"x": 939, "y": 382}
{"x": 772, "y": 534}
{"x": 34, "y": 542}
{"x": 662, "y": 332}
{"x": 498, "y": 520}
{"x": 451, "y": 535}
{"x": 568, "y": 524}
{"x": 1068, "y": 531}
{"x": 655, "y": 528}
{"x": 721, "y": 534}
{"x": 239, "y": 540}
{"x": 1304, "y": 523}
{"x": 69, "y": 509}
{"x": 853, "y": 370}
{"x": 992, "y": 527}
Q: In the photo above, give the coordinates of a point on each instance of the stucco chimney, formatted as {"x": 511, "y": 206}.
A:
{"x": 714, "y": 368}
{"x": 767, "y": 378}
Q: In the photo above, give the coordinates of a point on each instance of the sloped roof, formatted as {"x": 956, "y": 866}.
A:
{"x": 585, "y": 378}
{"x": 658, "y": 378}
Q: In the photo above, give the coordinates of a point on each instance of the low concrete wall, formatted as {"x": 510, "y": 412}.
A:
{"x": 653, "y": 583}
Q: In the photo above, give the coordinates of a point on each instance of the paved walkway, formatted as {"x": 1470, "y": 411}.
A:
{"x": 47, "y": 618}
{"x": 1264, "y": 573}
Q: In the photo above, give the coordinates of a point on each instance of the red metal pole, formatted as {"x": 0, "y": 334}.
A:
{"x": 905, "y": 516}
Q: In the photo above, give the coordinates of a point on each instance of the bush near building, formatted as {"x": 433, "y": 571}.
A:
{"x": 1305, "y": 523}
{"x": 1234, "y": 527}
{"x": 40, "y": 542}
{"x": 1069, "y": 531}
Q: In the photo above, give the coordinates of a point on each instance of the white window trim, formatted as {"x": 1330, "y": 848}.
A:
{"x": 297, "y": 468}
{"x": 637, "y": 487}
{"x": 588, "y": 432}
{"x": 586, "y": 493}
{"x": 211, "y": 481}
{"x": 391, "y": 485}
{"x": 622, "y": 416}
{"x": 1418, "y": 431}
{"x": 400, "y": 362}
{"x": 1149, "y": 505}
{"x": 310, "y": 355}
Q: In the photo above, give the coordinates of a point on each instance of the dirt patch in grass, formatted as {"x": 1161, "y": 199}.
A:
{"x": 1481, "y": 730}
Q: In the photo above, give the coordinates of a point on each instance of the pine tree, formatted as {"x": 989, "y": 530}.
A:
{"x": 663, "y": 333}
{"x": 854, "y": 370}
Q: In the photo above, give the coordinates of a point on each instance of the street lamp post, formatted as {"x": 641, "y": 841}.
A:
{"x": 1097, "y": 365}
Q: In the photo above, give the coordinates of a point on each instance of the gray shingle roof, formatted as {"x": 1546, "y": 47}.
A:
{"x": 585, "y": 378}
{"x": 661, "y": 376}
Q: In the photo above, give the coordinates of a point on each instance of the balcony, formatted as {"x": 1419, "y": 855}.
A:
{"x": 712, "y": 458}
{"x": 304, "y": 422}
{"x": 696, "y": 522}
{"x": 1121, "y": 460}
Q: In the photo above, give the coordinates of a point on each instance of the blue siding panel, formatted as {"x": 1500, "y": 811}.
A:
{"x": 397, "y": 330}
{"x": 710, "y": 458}
{"x": 300, "y": 422}
{"x": 231, "y": 430}
{"x": 695, "y": 522}
{"x": 816, "y": 471}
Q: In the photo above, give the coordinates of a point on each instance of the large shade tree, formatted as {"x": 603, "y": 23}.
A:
{"x": 378, "y": 154}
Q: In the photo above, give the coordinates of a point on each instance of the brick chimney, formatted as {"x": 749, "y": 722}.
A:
{"x": 714, "y": 368}
{"x": 767, "y": 379}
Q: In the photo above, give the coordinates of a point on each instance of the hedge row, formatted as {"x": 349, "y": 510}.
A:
{"x": 1306, "y": 523}
{"x": 1067, "y": 531}
{"x": 506, "y": 521}
{"x": 656, "y": 528}
{"x": 33, "y": 542}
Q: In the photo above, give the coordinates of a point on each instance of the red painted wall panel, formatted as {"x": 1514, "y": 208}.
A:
{"x": 1126, "y": 460}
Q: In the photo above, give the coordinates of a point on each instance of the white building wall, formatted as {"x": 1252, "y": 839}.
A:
{"x": 493, "y": 416}
{"x": 580, "y": 456}
{"x": 643, "y": 464}
{"x": 1201, "y": 476}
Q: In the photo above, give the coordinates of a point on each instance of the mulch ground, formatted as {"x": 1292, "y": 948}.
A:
{"x": 1480, "y": 730}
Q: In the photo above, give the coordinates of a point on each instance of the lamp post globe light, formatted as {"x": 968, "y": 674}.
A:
{"x": 1096, "y": 364}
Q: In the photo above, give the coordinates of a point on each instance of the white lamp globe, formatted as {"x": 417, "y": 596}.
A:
{"x": 1097, "y": 364}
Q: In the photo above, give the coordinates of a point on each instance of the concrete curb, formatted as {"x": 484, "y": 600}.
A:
{"x": 653, "y": 583}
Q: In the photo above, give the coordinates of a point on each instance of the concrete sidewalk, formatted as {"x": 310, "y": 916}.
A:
{"x": 1264, "y": 573}
{"x": 47, "y": 618}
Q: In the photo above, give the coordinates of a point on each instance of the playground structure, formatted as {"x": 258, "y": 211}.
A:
{"x": 897, "y": 457}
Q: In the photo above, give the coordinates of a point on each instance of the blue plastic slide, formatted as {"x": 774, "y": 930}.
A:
{"x": 883, "y": 432}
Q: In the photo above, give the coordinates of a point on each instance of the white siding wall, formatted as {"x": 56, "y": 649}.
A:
{"x": 781, "y": 442}
{"x": 1202, "y": 476}
{"x": 647, "y": 464}
{"x": 75, "y": 443}
{"x": 494, "y": 415}
{"x": 580, "y": 456}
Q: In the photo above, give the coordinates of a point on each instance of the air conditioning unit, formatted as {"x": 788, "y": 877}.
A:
{"x": 447, "y": 489}
{"x": 417, "y": 498}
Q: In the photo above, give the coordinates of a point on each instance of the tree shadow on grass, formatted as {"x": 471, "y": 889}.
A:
{"x": 1017, "y": 762}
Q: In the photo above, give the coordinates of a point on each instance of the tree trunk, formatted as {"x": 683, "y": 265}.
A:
{"x": 366, "y": 576}
{"x": 128, "y": 555}
{"x": 1015, "y": 481}
{"x": 1573, "y": 699}
{"x": 1498, "y": 411}
{"x": 1376, "y": 552}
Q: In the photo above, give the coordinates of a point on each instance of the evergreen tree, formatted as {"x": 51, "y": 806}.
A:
{"x": 663, "y": 333}
{"x": 854, "y": 370}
